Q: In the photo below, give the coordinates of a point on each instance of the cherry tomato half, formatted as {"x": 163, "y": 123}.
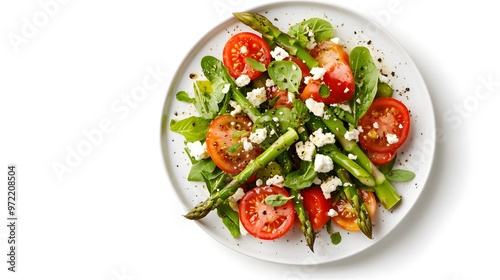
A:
{"x": 338, "y": 77}
{"x": 317, "y": 206}
{"x": 380, "y": 158}
{"x": 346, "y": 218}
{"x": 386, "y": 125}
{"x": 262, "y": 220}
{"x": 225, "y": 146}
{"x": 243, "y": 45}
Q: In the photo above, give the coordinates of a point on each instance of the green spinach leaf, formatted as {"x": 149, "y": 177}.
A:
{"x": 286, "y": 74}
{"x": 192, "y": 128}
{"x": 366, "y": 80}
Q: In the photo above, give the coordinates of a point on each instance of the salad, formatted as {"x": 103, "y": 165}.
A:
{"x": 293, "y": 129}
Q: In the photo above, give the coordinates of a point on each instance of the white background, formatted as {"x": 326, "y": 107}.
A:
{"x": 67, "y": 69}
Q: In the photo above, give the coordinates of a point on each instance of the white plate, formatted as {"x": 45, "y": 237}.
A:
{"x": 417, "y": 154}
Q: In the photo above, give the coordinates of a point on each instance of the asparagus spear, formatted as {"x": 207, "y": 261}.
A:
{"x": 305, "y": 222}
{"x": 272, "y": 33}
{"x": 384, "y": 190}
{"x": 218, "y": 197}
{"x": 353, "y": 196}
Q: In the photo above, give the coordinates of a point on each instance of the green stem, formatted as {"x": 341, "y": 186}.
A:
{"x": 217, "y": 198}
{"x": 303, "y": 216}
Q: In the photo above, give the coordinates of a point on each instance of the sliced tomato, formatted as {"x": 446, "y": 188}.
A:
{"x": 241, "y": 46}
{"x": 317, "y": 206}
{"x": 386, "y": 125}
{"x": 338, "y": 77}
{"x": 225, "y": 145}
{"x": 346, "y": 218}
{"x": 380, "y": 158}
{"x": 262, "y": 220}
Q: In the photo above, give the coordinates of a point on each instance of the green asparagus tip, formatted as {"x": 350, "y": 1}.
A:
{"x": 245, "y": 18}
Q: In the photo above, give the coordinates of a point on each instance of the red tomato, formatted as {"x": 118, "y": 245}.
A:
{"x": 317, "y": 206}
{"x": 380, "y": 158}
{"x": 386, "y": 125}
{"x": 346, "y": 217}
{"x": 225, "y": 147}
{"x": 243, "y": 45}
{"x": 338, "y": 77}
{"x": 278, "y": 97}
{"x": 264, "y": 221}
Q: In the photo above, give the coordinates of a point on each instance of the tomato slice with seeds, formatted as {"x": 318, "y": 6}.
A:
{"x": 225, "y": 143}
{"x": 262, "y": 220}
{"x": 386, "y": 125}
{"x": 241, "y": 46}
{"x": 346, "y": 218}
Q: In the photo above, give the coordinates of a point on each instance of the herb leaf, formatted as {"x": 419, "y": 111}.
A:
{"x": 399, "y": 175}
{"x": 276, "y": 199}
{"x": 322, "y": 29}
{"x": 256, "y": 65}
{"x": 336, "y": 238}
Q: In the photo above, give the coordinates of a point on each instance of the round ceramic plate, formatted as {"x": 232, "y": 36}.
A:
{"x": 416, "y": 155}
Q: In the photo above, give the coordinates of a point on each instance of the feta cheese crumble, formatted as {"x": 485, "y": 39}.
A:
{"x": 237, "y": 108}
{"x": 238, "y": 194}
{"x": 332, "y": 213}
{"x": 322, "y": 163}
{"x": 337, "y": 41}
{"x": 233, "y": 200}
{"x": 279, "y": 53}
{"x": 257, "y": 96}
{"x": 242, "y": 80}
{"x": 317, "y": 108}
{"x": 247, "y": 145}
{"x": 317, "y": 73}
{"x": 258, "y": 136}
{"x": 330, "y": 185}
{"x": 391, "y": 139}
{"x": 270, "y": 83}
{"x": 243, "y": 50}
{"x": 197, "y": 150}
{"x": 351, "y": 156}
{"x": 353, "y": 134}
{"x": 276, "y": 180}
{"x": 312, "y": 39}
{"x": 305, "y": 150}
{"x": 320, "y": 139}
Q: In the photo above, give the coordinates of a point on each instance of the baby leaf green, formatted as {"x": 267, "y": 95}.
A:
{"x": 286, "y": 74}
{"x": 366, "y": 80}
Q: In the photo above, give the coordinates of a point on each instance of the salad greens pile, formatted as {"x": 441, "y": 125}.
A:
{"x": 218, "y": 93}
